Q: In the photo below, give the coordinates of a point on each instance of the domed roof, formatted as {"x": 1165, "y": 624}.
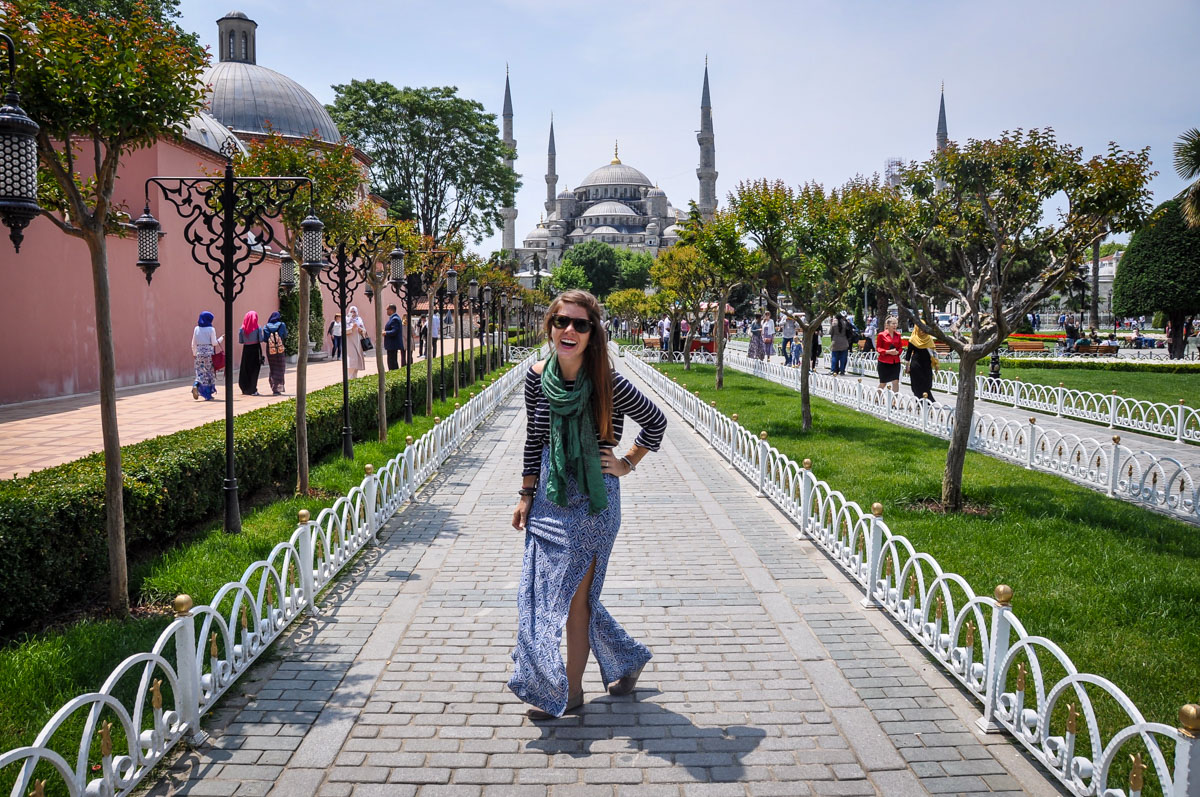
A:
{"x": 566, "y": 194}
{"x": 616, "y": 174}
{"x": 245, "y": 97}
{"x": 539, "y": 232}
{"x": 656, "y": 191}
{"x": 205, "y": 130}
{"x": 605, "y": 230}
{"x": 577, "y": 233}
{"x": 671, "y": 232}
{"x": 609, "y": 208}
{"x": 236, "y": 15}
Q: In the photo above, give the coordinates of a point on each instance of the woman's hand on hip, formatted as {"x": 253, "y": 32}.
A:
{"x": 521, "y": 513}
{"x": 611, "y": 464}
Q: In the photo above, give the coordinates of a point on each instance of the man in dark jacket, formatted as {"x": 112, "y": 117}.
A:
{"x": 393, "y": 338}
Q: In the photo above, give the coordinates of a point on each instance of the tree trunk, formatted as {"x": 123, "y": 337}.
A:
{"x": 114, "y": 499}
{"x": 687, "y": 349}
{"x": 805, "y": 360}
{"x": 381, "y": 399}
{"x": 302, "y": 384}
{"x": 1096, "y": 284}
{"x": 457, "y": 327}
{"x": 1176, "y": 343}
{"x": 960, "y": 435}
{"x": 721, "y": 338}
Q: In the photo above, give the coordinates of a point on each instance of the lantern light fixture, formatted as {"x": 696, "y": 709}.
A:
{"x": 148, "y": 229}
{"x": 312, "y": 245}
{"x": 451, "y": 282}
{"x": 287, "y": 271}
{"x": 473, "y": 290}
{"x": 18, "y": 158}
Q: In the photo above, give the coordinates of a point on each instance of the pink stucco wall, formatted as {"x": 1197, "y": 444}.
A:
{"x": 47, "y": 305}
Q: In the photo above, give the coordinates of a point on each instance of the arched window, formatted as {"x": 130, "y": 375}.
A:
{"x": 245, "y": 48}
{"x": 231, "y": 53}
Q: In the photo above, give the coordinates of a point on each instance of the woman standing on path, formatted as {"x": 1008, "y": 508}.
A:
{"x": 356, "y": 331}
{"x": 757, "y": 349}
{"x": 921, "y": 359}
{"x": 204, "y": 345}
{"x": 250, "y": 336}
{"x": 889, "y": 343}
{"x": 570, "y": 509}
{"x": 275, "y": 333}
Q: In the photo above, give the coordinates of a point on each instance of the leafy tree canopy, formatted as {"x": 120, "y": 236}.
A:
{"x": 599, "y": 262}
{"x": 634, "y": 268}
{"x": 1109, "y": 247}
{"x": 568, "y": 276}
{"x": 1160, "y": 271}
{"x": 437, "y": 157}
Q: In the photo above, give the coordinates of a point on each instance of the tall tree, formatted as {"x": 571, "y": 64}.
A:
{"x": 337, "y": 177}
{"x": 101, "y": 86}
{"x": 568, "y": 276}
{"x": 729, "y": 266}
{"x": 599, "y": 262}
{"x": 683, "y": 272}
{"x": 987, "y": 241}
{"x": 627, "y": 305}
{"x": 766, "y": 211}
{"x": 1187, "y": 165}
{"x": 436, "y": 156}
{"x": 1160, "y": 272}
{"x": 634, "y": 268}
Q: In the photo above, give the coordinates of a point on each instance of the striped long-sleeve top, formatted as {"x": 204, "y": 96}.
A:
{"x": 627, "y": 400}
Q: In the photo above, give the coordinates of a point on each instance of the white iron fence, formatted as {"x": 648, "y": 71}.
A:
{"x": 212, "y": 645}
{"x": 1164, "y": 484}
{"x": 1116, "y": 412}
{"x": 1027, "y": 685}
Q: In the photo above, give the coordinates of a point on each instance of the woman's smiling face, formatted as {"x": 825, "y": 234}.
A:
{"x": 569, "y": 343}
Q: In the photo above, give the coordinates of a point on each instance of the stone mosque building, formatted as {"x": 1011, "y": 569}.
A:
{"x": 616, "y": 204}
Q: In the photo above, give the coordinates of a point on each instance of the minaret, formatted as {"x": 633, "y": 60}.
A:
{"x": 509, "y": 237}
{"x": 551, "y": 176}
{"x": 708, "y": 155}
{"x": 943, "y": 138}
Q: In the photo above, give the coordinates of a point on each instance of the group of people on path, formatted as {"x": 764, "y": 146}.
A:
{"x": 258, "y": 343}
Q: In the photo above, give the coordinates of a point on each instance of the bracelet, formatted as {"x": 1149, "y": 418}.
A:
{"x": 527, "y": 492}
{"x": 632, "y": 467}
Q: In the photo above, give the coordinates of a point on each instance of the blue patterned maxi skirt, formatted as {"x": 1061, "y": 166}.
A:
{"x": 560, "y": 544}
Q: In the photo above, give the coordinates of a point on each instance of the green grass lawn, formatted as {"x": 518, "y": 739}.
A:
{"x": 1166, "y": 388}
{"x": 1115, "y": 585}
{"x": 39, "y": 673}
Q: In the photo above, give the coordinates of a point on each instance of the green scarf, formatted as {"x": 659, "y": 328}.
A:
{"x": 573, "y": 445}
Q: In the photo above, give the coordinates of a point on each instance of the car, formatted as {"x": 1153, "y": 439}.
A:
{"x": 943, "y": 320}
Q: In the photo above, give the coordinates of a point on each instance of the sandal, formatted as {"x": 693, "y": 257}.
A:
{"x": 627, "y": 683}
{"x": 574, "y": 703}
{"x": 195, "y": 393}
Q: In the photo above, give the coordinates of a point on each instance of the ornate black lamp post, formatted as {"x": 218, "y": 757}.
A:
{"x": 18, "y": 157}
{"x": 451, "y": 292}
{"x": 411, "y": 286}
{"x": 221, "y": 213}
{"x": 349, "y": 263}
{"x": 485, "y": 325}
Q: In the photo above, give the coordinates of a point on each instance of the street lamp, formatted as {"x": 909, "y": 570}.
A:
{"x": 486, "y": 308}
{"x": 456, "y": 321}
{"x": 287, "y": 272}
{"x": 18, "y": 157}
{"x": 411, "y": 285}
{"x": 350, "y": 264}
{"x": 221, "y": 212}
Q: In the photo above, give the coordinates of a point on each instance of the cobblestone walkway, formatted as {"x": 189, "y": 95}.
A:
{"x": 767, "y": 678}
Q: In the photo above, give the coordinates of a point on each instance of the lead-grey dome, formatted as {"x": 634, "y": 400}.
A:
{"x": 245, "y": 97}
{"x": 616, "y": 174}
{"x": 609, "y": 208}
{"x": 205, "y": 130}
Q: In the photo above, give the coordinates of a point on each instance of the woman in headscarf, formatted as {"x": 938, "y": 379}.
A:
{"x": 570, "y": 509}
{"x": 250, "y": 335}
{"x": 275, "y": 333}
{"x": 757, "y": 349}
{"x": 204, "y": 344}
{"x": 920, "y": 362}
{"x": 355, "y": 331}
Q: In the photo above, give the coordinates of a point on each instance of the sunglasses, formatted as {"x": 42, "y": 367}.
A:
{"x": 580, "y": 325}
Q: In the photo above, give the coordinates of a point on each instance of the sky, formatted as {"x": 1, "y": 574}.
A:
{"x": 801, "y": 90}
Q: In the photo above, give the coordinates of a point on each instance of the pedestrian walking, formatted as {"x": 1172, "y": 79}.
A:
{"x": 204, "y": 345}
{"x": 768, "y": 336}
{"x": 920, "y": 363}
{"x": 393, "y": 339}
{"x": 250, "y": 336}
{"x": 570, "y": 510}
{"x": 356, "y": 333}
{"x": 275, "y": 333}
{"x": 421, "y": 336}
{"x": 888, "y": 344}
{"x": 787, "y": 334}
{"x": 840, "y": 333}
{"x": 869, "y": 335}
{"x": 335, "y": 332}
{"x": 756, "y": 350}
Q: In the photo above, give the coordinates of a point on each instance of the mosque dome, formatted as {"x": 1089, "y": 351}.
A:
{"x": 577, "y": 233}
{"x": 605, "y": 230}
{"x": 539, "y": 232}
{"x": 616, "y": 173}
{"x": 248, "y": 98}
{"x": 205, "y": 130}
{"x": 671, "y": 232}
{"x": 609, "y": 208}
{"x": 656, "y": 191}
{"x": 566, "y": 193}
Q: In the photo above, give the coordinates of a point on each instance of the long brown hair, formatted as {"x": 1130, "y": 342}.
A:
{"x": 595, "y": 358}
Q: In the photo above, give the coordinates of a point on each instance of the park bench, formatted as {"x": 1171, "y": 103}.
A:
{"x": 651, "y": 343}
{"x": 942, "y": 349}
{"x": 1096, "y": 349}
{"x": 1026, "y": 345}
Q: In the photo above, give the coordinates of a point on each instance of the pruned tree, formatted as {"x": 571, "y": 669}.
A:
{"x": 727, "y": 264}
{"x": 628, "y": 305}
{"x": 436, "y": 156}
{"x": 337, "y": 177}
{"x": 1160, "y": 272}
{"x": 989, "y": 241}
{"x": 682, "y": 271}
{"x": 766, "y": 211}
{"x": 101, "y": 85}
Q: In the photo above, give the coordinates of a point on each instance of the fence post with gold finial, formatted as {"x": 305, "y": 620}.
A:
{"x": 1187, "y": 753}
{"x": 371, "y": 495}
{"x": 308, "y": 564}
{"x": 410, "y": 467}
{"x": 997, "y": 652}
{"x": 1114, "y": 465}
{"x": 874, "y": 549}
{"x": 763, "y": 449}
{"x": 806, "y": 488}
{"x": 188, "y": 664}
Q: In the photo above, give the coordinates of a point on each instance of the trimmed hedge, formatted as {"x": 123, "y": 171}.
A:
{"x": 1081, "y": 364}
{"x": 52, "y": 522}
